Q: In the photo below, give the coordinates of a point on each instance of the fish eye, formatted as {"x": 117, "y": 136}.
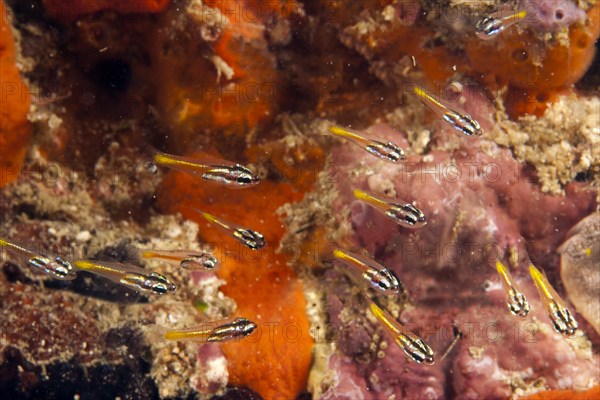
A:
{"x": 410, "y": 219}
{"x": 210, "y": 263}
{"x": 244, "y": 179}
{"x": 388, "y": 286}
{"x": 383, "y": 284}
{"x": 63, "y": 265}
{"x": 385, "y": 281}
{"x": 414, "y": 215}
{"x": 204, "y": 261}
{"x": 489, "y": 25}
{"x": 58, "y": 267}
{"x": 394, "y": 156}
{"x": 468, "y": 130}
{"x": 394, "y": 152}
{"x": 61, "y": 271}
{"x": 160, "y": 284}
{"x": 471, "y": 126}
{"x": 246, "y": 326}
{"x": 159, "y": 288}
{"x": 151, "y": 167}
{"x": 253, "y": 240}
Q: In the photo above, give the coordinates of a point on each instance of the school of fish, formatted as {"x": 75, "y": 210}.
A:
{"x": 372, "y": 277}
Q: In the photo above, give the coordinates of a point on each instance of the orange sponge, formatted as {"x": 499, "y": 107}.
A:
{"x": 275, "y": 361}
{"x": 591, "y": 394}
{"x": 535, "y": 70}
{"x": 15, "y": 129}
{"x": 227, "y": 93}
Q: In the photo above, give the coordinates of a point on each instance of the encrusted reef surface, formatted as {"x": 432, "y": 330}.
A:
{"x": 61, "y": 339}
{"x": 89, "y": 88}
{"x": 478, "y": 200}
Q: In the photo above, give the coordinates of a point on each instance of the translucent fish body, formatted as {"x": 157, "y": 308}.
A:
{"x": 490, "y": 26}
{"x": 187, "y": 259}
{"x": 230, "y": 174}
{"x": 374, "y": 274}
{"x": 515, "y": 300}
{"x": 52, "y": 265}
{"x": 462, "y": 122}
{"x": 387, "y": 151}
{"x": 138, "y": 279}
{"x": 560, "y": 316}
{"x": 405, "y": 214}
{"x": 251, "y": 239}
{"x": 412, "y": 345}
{"x": 221, "y": 331}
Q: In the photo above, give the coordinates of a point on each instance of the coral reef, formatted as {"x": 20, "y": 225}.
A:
{"x": 90, "y": 324}
{"x": 478, "y": 199}
{"x": 260, "y": 84}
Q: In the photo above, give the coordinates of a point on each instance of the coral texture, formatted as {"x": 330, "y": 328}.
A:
{"x": 479, "y": 203}
{"x": 260, "y": 84}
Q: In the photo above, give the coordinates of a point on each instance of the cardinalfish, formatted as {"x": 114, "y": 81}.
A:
{"x": 52, "y": 265}
{"x": 406, "y": 214}
{"x": 461, "y": 122}
{"x": 412, "y": 345}
{"x": 220, "y": 171}
{"x": 221, "y": 331}
{"x": 489, "y": 27}
{"x": 128, "y": 275}
{"x": 379, "y": 277}
{"x": 187, "y": 259}
{"x": 386, "y": 151}
{"x": 245, "y": 236}
{"x": 562, "y": 319}
{"x": 515, "y": 300}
